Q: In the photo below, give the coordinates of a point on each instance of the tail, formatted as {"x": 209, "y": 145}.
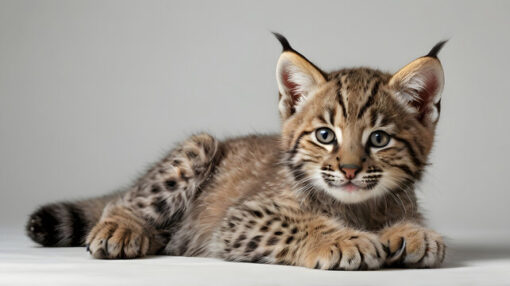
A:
{"x": 66, "y": 223}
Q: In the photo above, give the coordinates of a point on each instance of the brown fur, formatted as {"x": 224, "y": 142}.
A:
{"x": 285, "y": 198}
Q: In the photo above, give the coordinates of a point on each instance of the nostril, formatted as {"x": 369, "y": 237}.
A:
{"x": 349, "y": 173}
{"x": 350, "y": 170}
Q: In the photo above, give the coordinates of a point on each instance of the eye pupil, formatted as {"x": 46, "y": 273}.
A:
{"x": 325, "y": 135}
{"x": 379, "y": 139}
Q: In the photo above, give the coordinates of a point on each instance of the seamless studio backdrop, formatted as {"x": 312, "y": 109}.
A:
{"x": 92, "y": 92}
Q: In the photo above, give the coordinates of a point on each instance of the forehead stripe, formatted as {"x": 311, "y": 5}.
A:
{"x": 373, "y": 118}
{"x": 332, "y": 115}
{"x": 340, "y": 97}
{"x": 370, "y": 99}
{"x": 322, "y": 119}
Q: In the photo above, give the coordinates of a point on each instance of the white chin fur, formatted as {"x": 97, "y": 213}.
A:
{"x": 347, "y": 197}
{"x": 351, "y": 197}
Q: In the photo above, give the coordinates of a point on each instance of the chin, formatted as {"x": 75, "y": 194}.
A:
{"x": 349, "y": 196}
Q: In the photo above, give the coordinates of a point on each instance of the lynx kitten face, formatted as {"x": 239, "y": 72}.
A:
{"x": 356, "y": 134}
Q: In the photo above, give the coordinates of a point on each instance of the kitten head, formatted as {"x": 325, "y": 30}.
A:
{"x": 358, "y": 133}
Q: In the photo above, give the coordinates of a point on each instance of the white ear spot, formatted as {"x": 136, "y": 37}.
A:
{"x": 433, "y": 114}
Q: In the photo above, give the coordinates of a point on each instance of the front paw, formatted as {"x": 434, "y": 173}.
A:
{"x": 353, "y": 250}
{"x": 361, "y": 251}
{"x": 411, "y": 245}
{"x": 113, "y": 240}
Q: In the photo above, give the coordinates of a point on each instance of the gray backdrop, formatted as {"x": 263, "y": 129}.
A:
{"x": 91, "y": 92}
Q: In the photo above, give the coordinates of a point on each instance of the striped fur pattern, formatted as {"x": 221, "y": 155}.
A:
{"x": 334, "y": 190}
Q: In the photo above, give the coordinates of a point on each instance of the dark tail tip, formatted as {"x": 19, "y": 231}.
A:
{"x": 283, "y": 41}
{"x": 58, "y": 224}
{"x": 42, "y": 226}
{"x": 436, "y": 49}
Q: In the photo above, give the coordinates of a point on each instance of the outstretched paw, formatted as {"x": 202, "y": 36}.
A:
{"x": 361, "y": 252}
{"x": 354, "y": 251}
{"x": 413, "y": 246}
{"x": 113, "y": 240}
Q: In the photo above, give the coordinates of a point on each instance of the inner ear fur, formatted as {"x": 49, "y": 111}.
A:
{"x": 419, "y": 85}
{"x": 297, "y": 77}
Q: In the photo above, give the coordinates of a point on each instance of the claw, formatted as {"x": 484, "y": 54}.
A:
{"x": 88, "y": 248}
{"x": 398, "y": 254}
{"x": 386, "y": 248}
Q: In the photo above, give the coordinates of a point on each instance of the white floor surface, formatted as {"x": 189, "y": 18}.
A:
{"x": 24, "y": 263}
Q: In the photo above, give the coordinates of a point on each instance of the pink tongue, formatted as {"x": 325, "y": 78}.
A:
{"x": 350, "y": 187}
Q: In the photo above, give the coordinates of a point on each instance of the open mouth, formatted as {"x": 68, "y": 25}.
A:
{"x": 350, "y": 187}
{"x": 347, "y": 186}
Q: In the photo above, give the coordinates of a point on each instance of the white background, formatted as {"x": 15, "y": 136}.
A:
{"x": 92, "y": 92}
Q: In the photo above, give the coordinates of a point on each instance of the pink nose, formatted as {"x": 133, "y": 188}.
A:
{"x": 350, "y": 171}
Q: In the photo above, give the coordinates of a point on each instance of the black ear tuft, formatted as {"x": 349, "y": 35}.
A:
{"x": 285, "y": 44}
{"x": 436, "y": 49}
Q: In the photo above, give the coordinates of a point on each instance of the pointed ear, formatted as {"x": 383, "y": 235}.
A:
{"x": 420, "y": 84}
{"x": 297, "y": 78}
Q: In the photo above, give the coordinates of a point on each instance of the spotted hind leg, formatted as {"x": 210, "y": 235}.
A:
{"x": 141, "y": 221}
{"x": 168, "y": 188}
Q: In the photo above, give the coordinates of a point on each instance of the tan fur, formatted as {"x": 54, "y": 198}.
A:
{"x": 423, "y": 248}
{"x": 121, "y": 234}
{"x": 286, "y": 199}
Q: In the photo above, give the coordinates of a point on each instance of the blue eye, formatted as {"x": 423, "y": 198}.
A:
{"x": 325, "y": 135}
{"x": 379, "y": 139}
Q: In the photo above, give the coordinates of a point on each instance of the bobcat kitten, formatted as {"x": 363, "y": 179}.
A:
{"x": 334, "y": 190}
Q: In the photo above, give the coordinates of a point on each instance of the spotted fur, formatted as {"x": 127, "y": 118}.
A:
{"x": 295, "y": 198}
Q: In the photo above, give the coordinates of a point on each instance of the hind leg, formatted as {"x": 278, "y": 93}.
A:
{"x": 166, "y": 191}
{"x": 134, "y": 222}
{"x": 138, "y": 224}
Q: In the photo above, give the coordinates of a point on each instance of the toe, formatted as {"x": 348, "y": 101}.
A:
{"x": 351, "y": 258}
